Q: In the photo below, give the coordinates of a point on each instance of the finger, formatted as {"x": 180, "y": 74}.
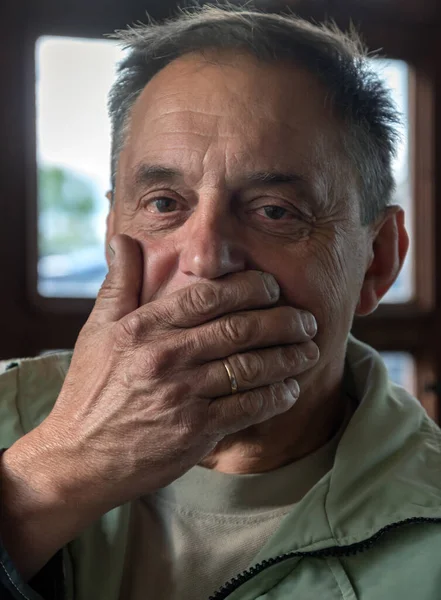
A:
{"x": 243, "y": 331}
{"x": 234, "y": 413}
{"x": 204, "y": 301}
{"x": 119, "y": 293}
{"x": 256, "y": 369}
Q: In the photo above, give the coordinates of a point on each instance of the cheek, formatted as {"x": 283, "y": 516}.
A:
{"x": 160, "y": 269}
{"x": 304, "y": 285}
{"x": 161, "y": 275}
{"x": 319, "y": 281}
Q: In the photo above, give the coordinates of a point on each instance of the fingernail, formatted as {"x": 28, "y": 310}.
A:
{"x": 293, "y": 387}
{"x": 311, "y": 351}
{"x": 271, "y": 285}
{"x": 309, "y": 323}
{"x": 111, "y": 253}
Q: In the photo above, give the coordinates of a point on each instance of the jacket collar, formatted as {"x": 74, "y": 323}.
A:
{"x": 386, "y": 468}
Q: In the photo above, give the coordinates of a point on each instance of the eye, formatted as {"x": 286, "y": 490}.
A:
{"x": 275, "y": 212}
{"x": 162, "y": 205}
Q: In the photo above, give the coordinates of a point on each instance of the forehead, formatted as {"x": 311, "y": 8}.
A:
{"x": 229, "y": 113}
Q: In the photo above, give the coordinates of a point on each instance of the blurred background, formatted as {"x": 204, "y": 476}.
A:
{"x": 56, "y": 70}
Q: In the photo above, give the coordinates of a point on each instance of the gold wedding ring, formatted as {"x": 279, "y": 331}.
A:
{"x": 231, "y": 376}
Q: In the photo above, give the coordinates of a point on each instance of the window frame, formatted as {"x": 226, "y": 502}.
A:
{"x": 409, "y": 327}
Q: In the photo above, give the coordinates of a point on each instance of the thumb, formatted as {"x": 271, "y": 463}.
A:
{"x": 119, "y": 293}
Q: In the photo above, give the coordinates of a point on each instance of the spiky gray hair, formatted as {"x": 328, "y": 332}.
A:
{"x": 356, "y": 94}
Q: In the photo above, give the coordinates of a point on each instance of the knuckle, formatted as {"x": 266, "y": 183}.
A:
{"x": 130, "y": 329}
{"x": 280, "y": 398}
{"x": 295, "y": 356}
{"x": 248, "y": 368}
{"x": 110, "y": 290}
{"x": 294, "y": 318}
{"x": 263, "y": 403}
{"x": 201, "y": 299}
{"x": 272, "y": 398}
{"x": 237, "y": 329}
{"x": 192, "y": 423}
{"x": 186, "y": 426}
{"x": 252, "y": 404}
{"x": 190, "y": 344}
{"x": 300, "y": 355}
{"x": 159, "y": 362}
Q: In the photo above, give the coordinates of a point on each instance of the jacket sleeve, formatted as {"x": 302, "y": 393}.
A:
{"x": 21, "y": 381}
{"x": 47, "y": 584}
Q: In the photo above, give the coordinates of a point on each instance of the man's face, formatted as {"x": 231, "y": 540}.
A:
{"x": 232, "y": 165}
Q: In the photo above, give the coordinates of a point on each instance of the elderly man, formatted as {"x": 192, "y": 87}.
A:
{"x": 216, "y": 432}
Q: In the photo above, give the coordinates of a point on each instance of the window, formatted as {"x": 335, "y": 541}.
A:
{"x": 401, "y": 369}
{"x": 395, "y": 73}
{"x": 73, "y": 149}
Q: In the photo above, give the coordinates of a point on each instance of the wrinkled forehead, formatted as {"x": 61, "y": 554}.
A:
{"x": 233, "y": 113}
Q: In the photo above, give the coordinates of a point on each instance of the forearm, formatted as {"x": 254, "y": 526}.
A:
{"x": 37, "y": 516}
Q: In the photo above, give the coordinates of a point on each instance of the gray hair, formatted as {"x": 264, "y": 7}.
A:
{"x": 354, "y": 91}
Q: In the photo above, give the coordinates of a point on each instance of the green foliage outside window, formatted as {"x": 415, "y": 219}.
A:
{"x": 67, "y": 206}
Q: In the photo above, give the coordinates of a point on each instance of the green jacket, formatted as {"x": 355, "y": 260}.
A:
{"x": 369, "y": 530}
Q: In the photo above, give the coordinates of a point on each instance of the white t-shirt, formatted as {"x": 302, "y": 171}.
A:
{"x": 191, "y": 537}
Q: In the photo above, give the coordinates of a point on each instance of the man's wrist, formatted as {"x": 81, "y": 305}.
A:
{"x": 38, "y": 515}
{"x": 31, "y": 476}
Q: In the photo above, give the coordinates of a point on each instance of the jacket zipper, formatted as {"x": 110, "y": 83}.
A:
{"x": 228, "y": 588}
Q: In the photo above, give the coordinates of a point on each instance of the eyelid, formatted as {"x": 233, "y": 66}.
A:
{"x": 264, "y": 200}
{"x": 301, "y": 207}
{"x": 152, "y": 195}
{"x": 159, "y": 191}
{"x": 277, "y": 202}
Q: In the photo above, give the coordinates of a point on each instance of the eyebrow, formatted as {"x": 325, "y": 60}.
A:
{"x": 152, "y": 174}
{"x": 274, "y": 178}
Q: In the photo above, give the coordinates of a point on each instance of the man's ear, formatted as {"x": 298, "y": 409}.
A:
{"x": 390, "y": 243}
{"x": 110, "y": 225}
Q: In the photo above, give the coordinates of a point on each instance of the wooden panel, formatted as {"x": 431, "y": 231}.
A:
{"x": 436, "y": 332}
{"x": 379, "y": 11}
{"x": 310, "y": 9}
{"x": 385, "y": 332}
{"x": 415, "y": 11}
{"x": 421, "y": 110}
{"x": 71, "y": 17}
